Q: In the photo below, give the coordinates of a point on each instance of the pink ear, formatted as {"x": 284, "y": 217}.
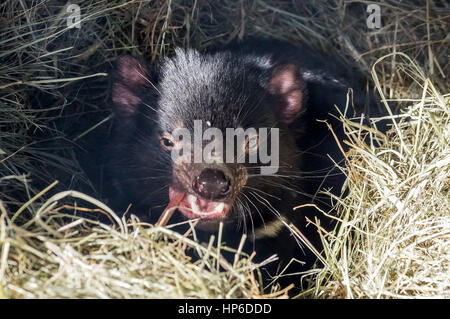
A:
{"x": 287, "y": 85}
{"x": 129, "y": 80}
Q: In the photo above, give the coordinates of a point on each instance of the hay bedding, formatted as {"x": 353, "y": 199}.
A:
{"x": 394, "y": 237}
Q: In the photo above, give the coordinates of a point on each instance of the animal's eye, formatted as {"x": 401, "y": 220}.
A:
{"x": 166, "y": 143}
{"x": 252, "y": 143}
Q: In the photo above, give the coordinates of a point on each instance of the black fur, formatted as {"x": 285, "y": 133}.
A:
{"x": 232, "y": 87}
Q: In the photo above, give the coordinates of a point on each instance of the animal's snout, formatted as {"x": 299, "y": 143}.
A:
{"x": 212, "y": 184}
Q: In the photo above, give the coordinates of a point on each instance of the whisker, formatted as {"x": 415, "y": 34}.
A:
{"x": 277, "y": 213}
{"x": 148, "y": 80}
{"x": 259, "y": 213}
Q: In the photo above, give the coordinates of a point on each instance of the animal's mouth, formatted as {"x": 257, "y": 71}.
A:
{"x": 192, "y": 206}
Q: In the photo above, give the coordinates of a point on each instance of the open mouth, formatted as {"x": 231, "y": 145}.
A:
{"x": 193, "y": 207}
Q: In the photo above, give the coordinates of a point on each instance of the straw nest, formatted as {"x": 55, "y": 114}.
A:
{"x": 393, "y": 235}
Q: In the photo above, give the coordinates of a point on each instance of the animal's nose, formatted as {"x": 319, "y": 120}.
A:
{"x": 212, "y": 184}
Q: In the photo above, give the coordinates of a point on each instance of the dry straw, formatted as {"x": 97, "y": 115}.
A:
{"x": 393, "y": 235}
{"x": 59, "y": 255}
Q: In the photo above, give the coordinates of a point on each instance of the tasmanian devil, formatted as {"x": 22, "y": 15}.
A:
{"x": 230, "y": 135}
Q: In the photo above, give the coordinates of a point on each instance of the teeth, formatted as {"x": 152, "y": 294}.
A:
{"x": 192, "y": 200}
{"x": 219, "y": 208}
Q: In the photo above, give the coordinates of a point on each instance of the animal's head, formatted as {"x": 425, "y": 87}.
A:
{"x": 214, "y": 124}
